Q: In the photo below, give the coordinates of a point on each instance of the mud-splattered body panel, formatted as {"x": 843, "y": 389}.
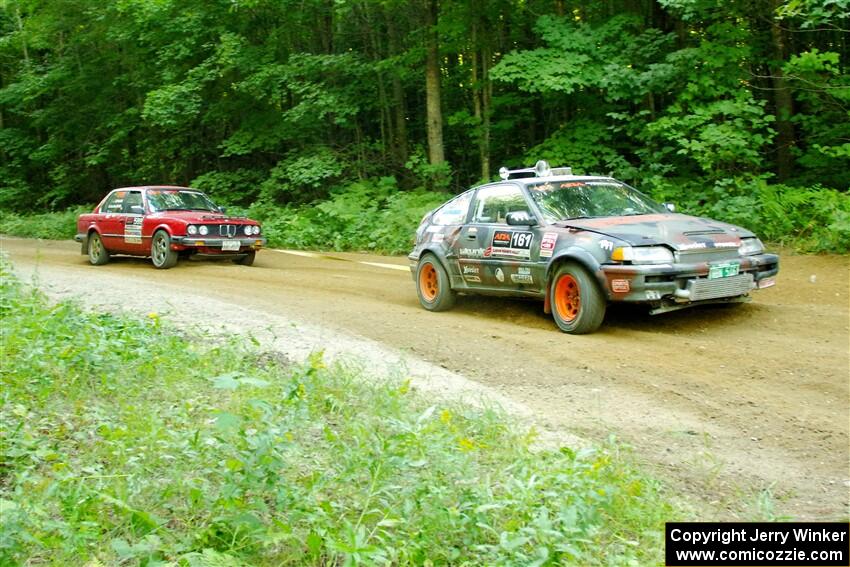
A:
{"x": 661, "y": 258}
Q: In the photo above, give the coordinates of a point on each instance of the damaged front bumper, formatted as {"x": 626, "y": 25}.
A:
{"x": 668, "y": 287}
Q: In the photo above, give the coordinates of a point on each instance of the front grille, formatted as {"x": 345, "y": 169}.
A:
{"x": 226, "y": 230}
{"x": 706, "y": 255}
{"x": 229, "y": 230}
{"x": 722, "y": 287}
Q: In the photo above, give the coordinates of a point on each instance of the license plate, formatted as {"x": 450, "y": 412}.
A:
{"x": 723, "y": 271}
{"x": 230, "y": 245}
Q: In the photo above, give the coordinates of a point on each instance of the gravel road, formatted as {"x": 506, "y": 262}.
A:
{"x": 727, "y": 405}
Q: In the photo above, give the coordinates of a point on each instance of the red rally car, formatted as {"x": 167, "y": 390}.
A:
{"x": 165, "y": 223}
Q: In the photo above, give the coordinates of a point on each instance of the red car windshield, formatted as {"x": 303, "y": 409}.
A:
{"x": 168, "y": 200}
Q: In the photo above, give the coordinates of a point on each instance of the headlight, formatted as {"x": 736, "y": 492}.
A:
{"x": 257, "y": 229}
{"x": 248, "y": 230}
{"x": 643, "y": 255}
{"x": 192, "y": 229}
{"x": 750, "y": 246}
{"x": 204, "y": 230}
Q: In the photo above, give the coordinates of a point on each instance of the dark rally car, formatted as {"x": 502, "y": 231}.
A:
{"x": 165, "y": 223}
{"x": 578, "y": 242}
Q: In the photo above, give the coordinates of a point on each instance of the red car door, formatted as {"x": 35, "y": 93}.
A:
{"x": 110, "y": 222}
{"x": 134, "y": 215}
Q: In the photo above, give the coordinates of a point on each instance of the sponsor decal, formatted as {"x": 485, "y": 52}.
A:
{"x": 500, "y": 275}
{"x": 512, "y": 244}
{"x": 620, "y": 286}
{"x": 523, "y": 276}
{"x": 547, "y": 244}
{"x": 572, "y": 184}
{"x": 652, "y": 294}
{"x": 470, "y": 269}
{"x": 545, "y": 187}
{"x": 133, "y": 231}
{"x": 606, "y": 244}
{"x": 601, "y": 183}
{"x": 727, "y": 244}
{"x": 472, "y": 253}
{"x": 437, "y": 237}
{"x": 692, "y": 246}
{"x": 472, "y": 279}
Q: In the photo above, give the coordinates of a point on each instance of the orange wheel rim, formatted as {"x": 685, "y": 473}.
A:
{"x": 567, "y": 298}
{"x": 428, "y": 283}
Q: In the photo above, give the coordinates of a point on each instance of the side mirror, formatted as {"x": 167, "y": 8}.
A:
{"x": 222, "y": 210}
{"x": 670, "y": 207}
{"x": 520, "y": 218}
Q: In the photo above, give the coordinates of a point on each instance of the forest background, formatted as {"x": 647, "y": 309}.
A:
{"x": 339, "y": 123}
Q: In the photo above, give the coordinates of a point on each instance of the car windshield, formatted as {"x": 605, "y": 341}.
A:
{"x": 563, "y": 200}
{"x": 175, "y": 200}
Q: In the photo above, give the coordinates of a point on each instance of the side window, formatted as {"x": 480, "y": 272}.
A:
{"x": 115, "y": 203}
{"x": 453, "y": 212}
{"x": 133, "y": 203}
{"x": 494, "y": 203}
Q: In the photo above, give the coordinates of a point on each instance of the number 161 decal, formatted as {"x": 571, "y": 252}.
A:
{"x": 513, "y": 244}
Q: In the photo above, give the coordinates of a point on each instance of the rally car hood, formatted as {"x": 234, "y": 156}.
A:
{"x": 201, "y": 217}
{"x": 680, "y": 232}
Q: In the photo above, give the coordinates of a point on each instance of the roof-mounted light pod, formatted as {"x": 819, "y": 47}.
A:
{"x": 542, "y": 169}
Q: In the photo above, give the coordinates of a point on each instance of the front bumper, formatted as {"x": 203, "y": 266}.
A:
{"x": 687, "y": 283}
{"x": 216, "y": 245}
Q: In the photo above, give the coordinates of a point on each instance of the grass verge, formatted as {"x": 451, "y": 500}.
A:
{"x": 59, "y": 225}
{"x": 124, "y": 441}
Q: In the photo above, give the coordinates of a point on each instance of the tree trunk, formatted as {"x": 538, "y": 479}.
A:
{"x": 436, "y": 154}
{"x": 784, "y": 104}
{"x": 486, "y": 97}
{"x": 23, "y": 37}
{"x": 399, "y": 110}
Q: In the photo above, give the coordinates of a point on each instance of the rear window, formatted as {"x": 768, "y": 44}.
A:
{"x": 453, "y": 212}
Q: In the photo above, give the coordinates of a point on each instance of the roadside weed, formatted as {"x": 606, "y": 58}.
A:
{"x": 124, "y": 442}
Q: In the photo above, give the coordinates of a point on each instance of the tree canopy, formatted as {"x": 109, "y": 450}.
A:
{"x": 281, "y": 101}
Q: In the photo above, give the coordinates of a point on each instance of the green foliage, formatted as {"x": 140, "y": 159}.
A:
{"x": 815, "y": 13}
{"x": 369, "y": 215}
{"x": 586, "y": 147}
{"x": 60, "y": 225}
{"x": 435, "y": 177}
{"x": 723, "y": 138}
{"x": 283, "y": 102}
{"x": 810, "y": 219}
{"x": 823, "y": 95}
{"x": 241, "y": 186}
{"x": 302, "y": 175}
{"x": 124, "y": 442}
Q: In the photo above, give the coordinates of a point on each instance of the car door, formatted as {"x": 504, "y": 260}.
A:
{"x": 490, "y": 253}
{"x": 133, "y": 217}
{"x": 112, "y": 220}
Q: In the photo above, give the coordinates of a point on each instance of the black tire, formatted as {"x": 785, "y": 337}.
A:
{"x": 162, "y": 256}
{"x": 98, "y": 254}
{"x": 432, "y": 285}
{"x": 578, "y": 305}
{"x": 247, "y": 259}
